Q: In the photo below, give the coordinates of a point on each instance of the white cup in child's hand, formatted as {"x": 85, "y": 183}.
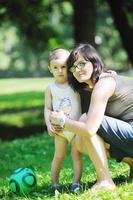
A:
{"x": 58, "y": 117}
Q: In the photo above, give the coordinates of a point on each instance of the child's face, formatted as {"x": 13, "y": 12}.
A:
{"x": 59, "y": 69}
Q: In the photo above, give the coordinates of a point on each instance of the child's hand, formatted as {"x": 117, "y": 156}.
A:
{"x": 50, "y": 132}
{"x": 57, "y": 128}
{"x": 53, "y": 129}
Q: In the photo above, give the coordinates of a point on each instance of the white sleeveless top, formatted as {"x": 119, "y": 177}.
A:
{"x": 67, "y": 100}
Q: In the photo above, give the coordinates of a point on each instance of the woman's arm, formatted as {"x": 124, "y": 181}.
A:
{"x": 102, "y": 91}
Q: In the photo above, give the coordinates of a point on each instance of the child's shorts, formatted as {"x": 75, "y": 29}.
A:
{"x": 68, "y": 135}
{"x": 119, "y": 134}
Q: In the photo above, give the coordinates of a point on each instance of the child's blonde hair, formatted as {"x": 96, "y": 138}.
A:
{"x": 57, "y": 53}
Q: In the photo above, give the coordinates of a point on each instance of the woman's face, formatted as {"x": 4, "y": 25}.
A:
{"x": 82, "y": 70}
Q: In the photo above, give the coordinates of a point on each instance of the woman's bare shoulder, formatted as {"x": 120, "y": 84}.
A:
{"x": 105, "y": 86}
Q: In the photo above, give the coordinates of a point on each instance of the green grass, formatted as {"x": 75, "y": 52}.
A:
{"x": 36, "y": 152}
{"x": 17, "y": 85}
{"x": 22, "y": 101}
{"x": 22, "y": 93}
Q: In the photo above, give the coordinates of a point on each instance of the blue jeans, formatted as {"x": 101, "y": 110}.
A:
{"x": 119, "y": 134}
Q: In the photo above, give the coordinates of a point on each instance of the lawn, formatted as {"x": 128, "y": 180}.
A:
{"x": 19, "y": 85}
{"x": 21, "y": 104}
{"x": 36, "y": 152}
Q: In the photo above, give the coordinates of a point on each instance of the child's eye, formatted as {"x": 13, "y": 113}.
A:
{"x": 63, "y": 67}
{"x": 55, "y": 67}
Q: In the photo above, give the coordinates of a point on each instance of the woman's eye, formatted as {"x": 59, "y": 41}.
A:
{"x": 82, "y": 64}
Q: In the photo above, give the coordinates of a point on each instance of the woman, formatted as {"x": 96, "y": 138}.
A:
{"x": 110, "y": 114}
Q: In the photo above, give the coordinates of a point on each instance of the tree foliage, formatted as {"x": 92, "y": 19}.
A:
{"x": 123, "y": 19}
{"x": 40, "y": 25}
{"x": 36, "y": 19}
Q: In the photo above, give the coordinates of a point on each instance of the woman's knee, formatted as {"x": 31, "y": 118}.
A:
{"x": 79, "y": 140}
{"x": 80, "y": 144}
{"x": 75, "y": 154}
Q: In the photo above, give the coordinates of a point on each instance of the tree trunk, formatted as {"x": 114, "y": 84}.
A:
{"x": 84, "y": 21}
{"x": 122, "y": 25}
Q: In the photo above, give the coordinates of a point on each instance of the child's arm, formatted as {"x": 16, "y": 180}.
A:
{"x": 47, "y": 111}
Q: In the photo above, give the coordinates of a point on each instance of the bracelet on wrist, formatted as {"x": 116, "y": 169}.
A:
{"x": 62, "y": 121}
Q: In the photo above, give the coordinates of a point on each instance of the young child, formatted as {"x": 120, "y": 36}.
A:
{"x": 60, "y": 96}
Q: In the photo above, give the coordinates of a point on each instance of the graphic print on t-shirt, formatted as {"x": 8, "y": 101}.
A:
{"x": 66, "y": 106}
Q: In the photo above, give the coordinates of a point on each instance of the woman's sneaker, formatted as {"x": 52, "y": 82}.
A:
{"x": 75, "y": 187}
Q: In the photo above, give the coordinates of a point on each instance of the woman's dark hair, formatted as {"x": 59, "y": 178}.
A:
{"x": 89, "y": 53}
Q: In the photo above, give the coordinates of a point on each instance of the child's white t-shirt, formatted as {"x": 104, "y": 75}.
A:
{"x": 67, "y": 100}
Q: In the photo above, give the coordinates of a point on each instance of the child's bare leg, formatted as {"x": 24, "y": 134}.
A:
{"x": 59, "y": 156}
{"x": 77, "y": 162}
{"x": 129, "y": 161}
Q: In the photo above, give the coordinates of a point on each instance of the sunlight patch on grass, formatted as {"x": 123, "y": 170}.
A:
{"x": 15, "y": 85}
{"x": 21, "y": 100}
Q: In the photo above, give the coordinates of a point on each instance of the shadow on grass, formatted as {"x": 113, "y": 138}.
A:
{"x": 121, "y": 179}
{"x": 64, "y": 188}
{"x": 13, "y": 132}
{"x": 44, "y": 191}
